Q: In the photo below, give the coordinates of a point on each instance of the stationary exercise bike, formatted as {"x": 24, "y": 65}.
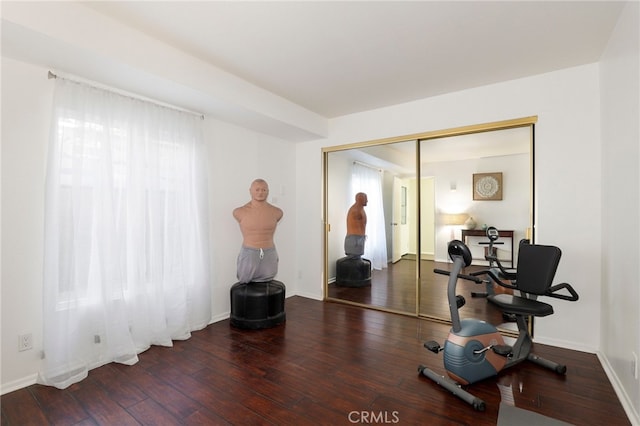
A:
{"x": 492, "y": 234}
{"x": 475, "y": 350}
{"x": 496, "y": 269}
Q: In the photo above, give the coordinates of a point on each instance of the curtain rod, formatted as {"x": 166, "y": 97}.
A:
{"x": 367, "y": 165}
{"x": 51, "y": 75}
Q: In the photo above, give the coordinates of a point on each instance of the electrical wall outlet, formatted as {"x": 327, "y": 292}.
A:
{"x": 25, "y": 342}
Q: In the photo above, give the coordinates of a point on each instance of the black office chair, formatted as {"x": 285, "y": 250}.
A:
{"x": 537, "y": 265}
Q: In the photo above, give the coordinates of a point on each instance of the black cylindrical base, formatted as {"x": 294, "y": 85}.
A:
{"x": 353, "y": 272}
{"x": 257, "y": 305}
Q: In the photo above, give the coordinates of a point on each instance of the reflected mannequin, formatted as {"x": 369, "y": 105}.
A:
{"x": 352, "y": 270}
{"x": 258, "y": 258}
{"x": 356, "y": 227}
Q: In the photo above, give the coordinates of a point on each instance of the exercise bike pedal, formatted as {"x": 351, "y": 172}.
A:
{"x": 433, "y": 346}
{"x": 503, "y": 350}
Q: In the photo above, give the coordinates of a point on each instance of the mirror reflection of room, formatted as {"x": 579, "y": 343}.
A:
{"x": 447, "y": 211}
{"x": 384, "y": 173}
{"x": 459, "y": 204}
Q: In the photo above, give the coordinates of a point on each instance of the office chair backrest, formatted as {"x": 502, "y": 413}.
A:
{"x": 537, "y": 265}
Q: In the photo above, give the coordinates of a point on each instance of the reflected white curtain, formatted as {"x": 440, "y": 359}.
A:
{"x": 126, "y": 249}
{"x": 369, "y": 180}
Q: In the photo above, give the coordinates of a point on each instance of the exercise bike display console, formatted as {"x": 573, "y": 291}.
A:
{"x": 503, "y": 244}
{"x": 492, "y": 233}
{"x": 475, "y": 350}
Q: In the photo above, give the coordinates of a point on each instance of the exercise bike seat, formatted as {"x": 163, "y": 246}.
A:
{"x": 517, "y": 305}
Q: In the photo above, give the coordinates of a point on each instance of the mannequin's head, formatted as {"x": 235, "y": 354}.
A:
{"x": 361, "y": 198}
{"x": 259, "y": 190}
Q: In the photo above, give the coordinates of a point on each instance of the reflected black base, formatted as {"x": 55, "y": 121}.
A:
{"x": 353, "y": 272}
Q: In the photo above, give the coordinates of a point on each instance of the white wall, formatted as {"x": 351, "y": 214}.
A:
{"x": 236, "y": 156}
{"x": 620, "y": 91}
{"x": 309, "y": 228}
{"x": 26, "y": 111}
{"x": 567, "y": 177}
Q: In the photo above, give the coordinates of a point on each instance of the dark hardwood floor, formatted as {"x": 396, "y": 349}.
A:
{"x": 328, "y": 362}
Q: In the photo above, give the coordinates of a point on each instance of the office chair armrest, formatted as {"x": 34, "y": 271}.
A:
{"x": 552, "y": 292}
{"x": 498, "y": 281}
{"x": 511, "y": 276}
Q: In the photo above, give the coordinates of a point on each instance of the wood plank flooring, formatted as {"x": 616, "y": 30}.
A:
{"x": 329, "y": 364}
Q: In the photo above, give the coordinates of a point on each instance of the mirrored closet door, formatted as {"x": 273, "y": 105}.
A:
{"x": 423, "y": 191}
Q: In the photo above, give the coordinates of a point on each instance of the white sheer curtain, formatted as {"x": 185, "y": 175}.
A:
{"x": 369, "y": 180}
{"x": 126, "y": 249}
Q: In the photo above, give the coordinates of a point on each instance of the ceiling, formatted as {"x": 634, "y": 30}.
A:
{"x": 341, "y": 57}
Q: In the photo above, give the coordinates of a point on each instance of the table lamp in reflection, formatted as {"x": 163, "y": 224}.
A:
{"x": 453, "y": 220}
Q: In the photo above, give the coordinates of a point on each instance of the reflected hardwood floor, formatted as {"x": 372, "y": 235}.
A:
{"x": 328, "y": 362}
{"x": 394, "y": 288}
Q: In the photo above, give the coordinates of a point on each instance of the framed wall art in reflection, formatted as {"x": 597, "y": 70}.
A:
{"x": 487, "y": 186}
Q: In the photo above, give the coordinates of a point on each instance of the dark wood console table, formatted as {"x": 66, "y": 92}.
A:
{"x": 477, "y": 241}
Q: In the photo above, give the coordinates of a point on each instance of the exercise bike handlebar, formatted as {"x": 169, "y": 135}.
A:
{"x": 498, "y": 281}
{"x": 463, "y": 276}
{"x": 507, "y": 274}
